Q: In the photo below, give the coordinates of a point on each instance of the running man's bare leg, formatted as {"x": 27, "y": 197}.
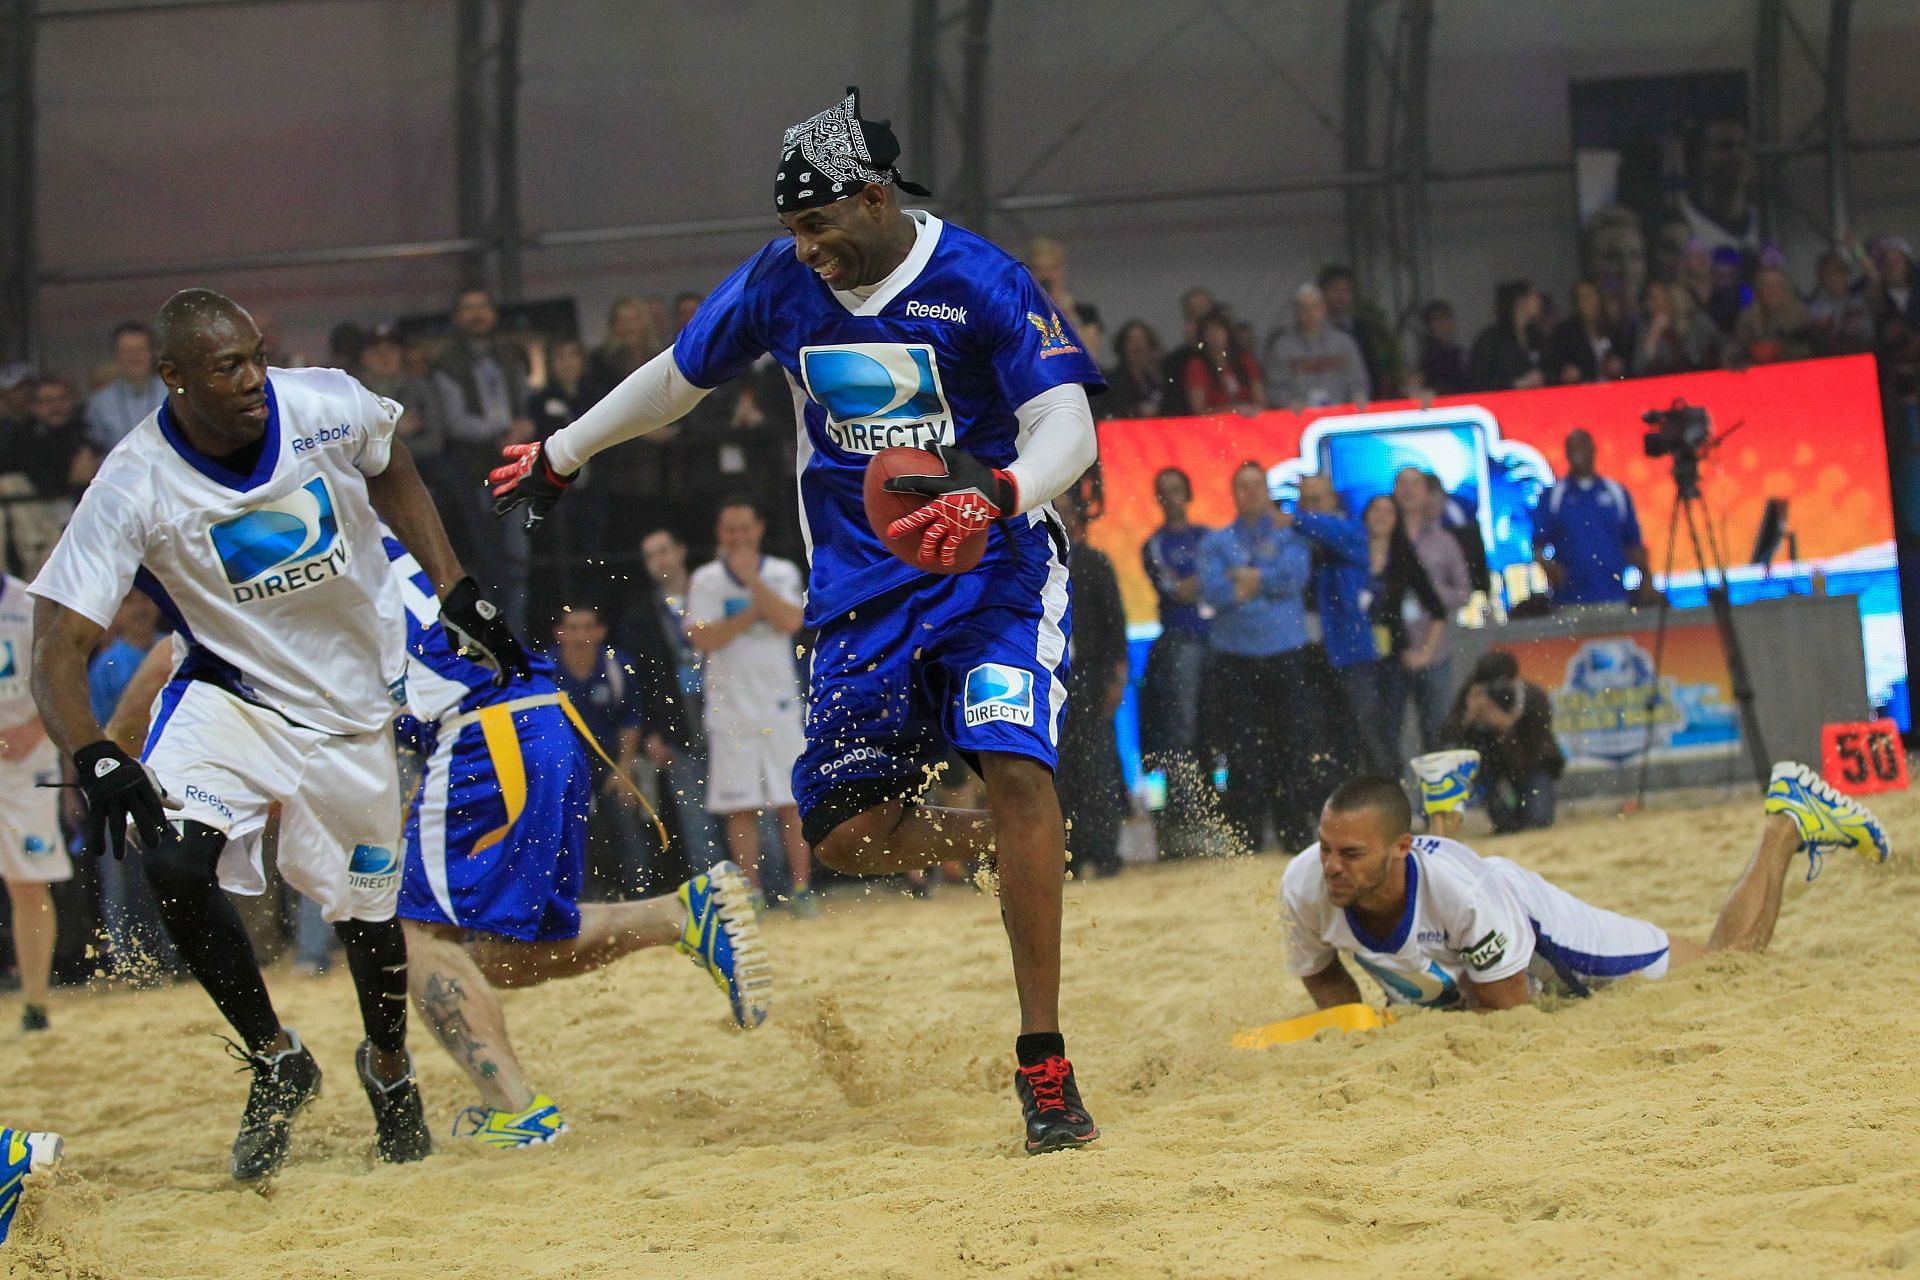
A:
{"x": 895, "y": 837}
{"x": 1032, "y": 864}
{"x": 608, "y": 930}
{"x": 1748, "y": 915}
{"x": 33, "y": 932}
{"x": 464, "y": 1014}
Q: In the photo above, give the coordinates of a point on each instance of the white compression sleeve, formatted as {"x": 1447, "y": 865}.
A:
{"x": 647, "y": 399}
{"x": 1059, "y": 444}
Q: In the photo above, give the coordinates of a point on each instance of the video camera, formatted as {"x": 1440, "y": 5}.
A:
{"x": 1681, "y": 430}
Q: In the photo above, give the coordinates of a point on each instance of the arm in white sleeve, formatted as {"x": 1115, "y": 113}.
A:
{"x": 1059, "y": 444}
{"x": 647, "y": 399}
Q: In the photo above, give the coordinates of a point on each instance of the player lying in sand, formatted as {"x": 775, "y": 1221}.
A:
{"x": 1438, "y": 925}
{"x": 495, "y": 846}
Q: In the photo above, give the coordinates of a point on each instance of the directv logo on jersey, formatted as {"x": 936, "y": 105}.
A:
{"x": 878, "y": 395}
{"x": 282, "y": 546}
{"x": 372, "y": 866}
{"x": 937, "y": 311}
{"x": 997, "y": 692}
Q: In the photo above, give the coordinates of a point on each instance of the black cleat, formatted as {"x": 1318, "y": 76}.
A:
{"x": 399, "y": 1121}
{"x": 1055, "y": 1116}
{"x": 33, "y": 1018}
{"x": 283, "y": 1083}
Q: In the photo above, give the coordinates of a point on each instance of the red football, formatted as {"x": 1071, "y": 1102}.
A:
{"x": 883, "y": 508}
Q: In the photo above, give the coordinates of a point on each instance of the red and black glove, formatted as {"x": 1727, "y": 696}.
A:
{"x": 969, "y": 497}
{"x": 527, "y": 479}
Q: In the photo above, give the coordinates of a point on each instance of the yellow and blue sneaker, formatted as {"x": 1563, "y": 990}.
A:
{"x": 22, "y": 1153}
{"x": 722, "y": 936}
{"x": 1827, "y": 819}
{"x": 1447, "y": 779}
{"x": 538, "y": 1125}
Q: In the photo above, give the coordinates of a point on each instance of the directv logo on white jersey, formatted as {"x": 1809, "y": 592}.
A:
{"x": 286, "y": 545}
{"x": 878, "y": 394}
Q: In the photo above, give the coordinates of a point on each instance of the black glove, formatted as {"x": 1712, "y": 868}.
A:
{"x": 474, "y": 625}
{"x": 526, "y": 478}
{"x": 119, "y": 789}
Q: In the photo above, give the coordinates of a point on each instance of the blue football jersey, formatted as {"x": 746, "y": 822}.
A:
{"x": 439, "y": 680}
{"x": 956, "y": 339}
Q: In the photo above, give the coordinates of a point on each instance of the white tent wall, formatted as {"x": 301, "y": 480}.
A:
{"x": 220, "y": 132}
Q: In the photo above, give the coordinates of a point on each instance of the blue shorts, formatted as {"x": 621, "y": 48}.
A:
{"x": 496, "y": 835}
{"x": 972, "y": 661}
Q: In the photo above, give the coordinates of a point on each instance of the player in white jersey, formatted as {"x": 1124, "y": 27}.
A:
{"x": 742, "y": 611}
{"x": 31, "y": 853}
{"x": 1438, "y": 925}
{"x": 245, "y": 505}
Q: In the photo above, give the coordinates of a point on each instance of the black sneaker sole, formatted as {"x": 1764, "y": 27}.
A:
{"x": 1060, "y": 1140}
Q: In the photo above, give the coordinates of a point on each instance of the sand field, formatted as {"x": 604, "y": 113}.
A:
{"x": 1754, "y": 1117}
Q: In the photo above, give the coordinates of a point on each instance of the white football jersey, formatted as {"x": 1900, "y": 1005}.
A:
{"x": 751, "y": 681}
{"x": 1467, "y": 917}
{"x": 277, "y": 578}
{"x": 16, "y": 654}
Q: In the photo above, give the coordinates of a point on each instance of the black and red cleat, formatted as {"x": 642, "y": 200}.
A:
{"x": 1055, "y": 1117}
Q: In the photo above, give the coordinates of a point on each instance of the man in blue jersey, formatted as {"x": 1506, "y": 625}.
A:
{"x": 496, "y": 835}
{"x": 1170, "y": 688}
{"x": 1587, "y": 535}
{"x": 895, "y": 328}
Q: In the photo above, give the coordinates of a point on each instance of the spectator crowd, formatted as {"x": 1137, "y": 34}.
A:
{"x": 1294, "y": 642}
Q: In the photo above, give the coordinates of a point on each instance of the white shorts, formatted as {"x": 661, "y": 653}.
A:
{"x": 30, "y": 843}
{"x": 1577, "y": 945}
{"x": 228, "y": 762}
{"x": 750, "y": 766}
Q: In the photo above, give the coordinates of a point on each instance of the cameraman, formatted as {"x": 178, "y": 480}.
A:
{"x": 1588, "y": 521}
{"x": 1509, "y": 721}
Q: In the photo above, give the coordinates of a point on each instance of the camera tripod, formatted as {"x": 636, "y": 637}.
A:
{"x": 1708, "y": 559}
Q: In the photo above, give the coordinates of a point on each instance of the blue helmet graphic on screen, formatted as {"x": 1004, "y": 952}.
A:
{"x": 999, "y": 692}
{"x": 878, "y": 394}
{"x": 283, "y": 545}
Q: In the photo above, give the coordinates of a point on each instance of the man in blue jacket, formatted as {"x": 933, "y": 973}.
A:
{"x": 1265, "y": 715}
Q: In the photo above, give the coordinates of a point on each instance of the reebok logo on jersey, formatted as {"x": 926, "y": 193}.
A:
{"x": 1486, "y": 953}
{"x": 937, "y": 311}
{"x": 878, "y": 395}
{"x": 282, "y": 546}
{"x": 325, "y": 435}
{"x": 998, "y": 692}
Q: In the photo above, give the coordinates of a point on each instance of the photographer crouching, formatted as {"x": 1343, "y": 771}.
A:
{"x": 1509, "y": 721}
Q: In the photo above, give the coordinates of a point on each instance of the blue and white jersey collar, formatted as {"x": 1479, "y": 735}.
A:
{"x": 218, "y": 471}
{"x": 926, "y": 238}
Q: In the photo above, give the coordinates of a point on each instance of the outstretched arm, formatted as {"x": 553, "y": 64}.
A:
{"x": 401, "y": 499}
{"x": 649, "y": 398}
{"x": 1331, "y": 986}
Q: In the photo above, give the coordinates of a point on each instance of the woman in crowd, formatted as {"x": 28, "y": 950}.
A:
{"x": 1221, "y": 376}
{"x": 1840, "y": 321}
{"x": 1673, "y": 336}
{"x": 1774, "y": 327}
{"x": 1399, "y": 595}
{"x": 1136, "y": 385}
{"x": 1509, "y": 353}
{"x": 634, "y": 336}
{"x": 1585, "y": 346}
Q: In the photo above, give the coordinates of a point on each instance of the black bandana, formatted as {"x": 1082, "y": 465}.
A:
{"x": 833, "y": 155}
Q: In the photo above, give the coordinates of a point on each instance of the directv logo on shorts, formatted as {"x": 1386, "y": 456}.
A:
{"x": 372, "y": 866}
{"x": 282, "y": 546}
{"x": 996, "y": 692}
{"x": 878, "y": 395}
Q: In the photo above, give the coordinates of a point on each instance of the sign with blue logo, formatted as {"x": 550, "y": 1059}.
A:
{"x": 282, "y": 546}
{"x": 373, "y": 866}
{"x": 878, "y": 395}
{"x": 998, "y": 692}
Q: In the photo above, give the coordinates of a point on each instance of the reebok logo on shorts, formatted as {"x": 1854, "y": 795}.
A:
{"x": 372, "y": 866}
{"x": 285, "y": 545}
{"x": 1486, "y": 953}
{"x": 998, "y": 692}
